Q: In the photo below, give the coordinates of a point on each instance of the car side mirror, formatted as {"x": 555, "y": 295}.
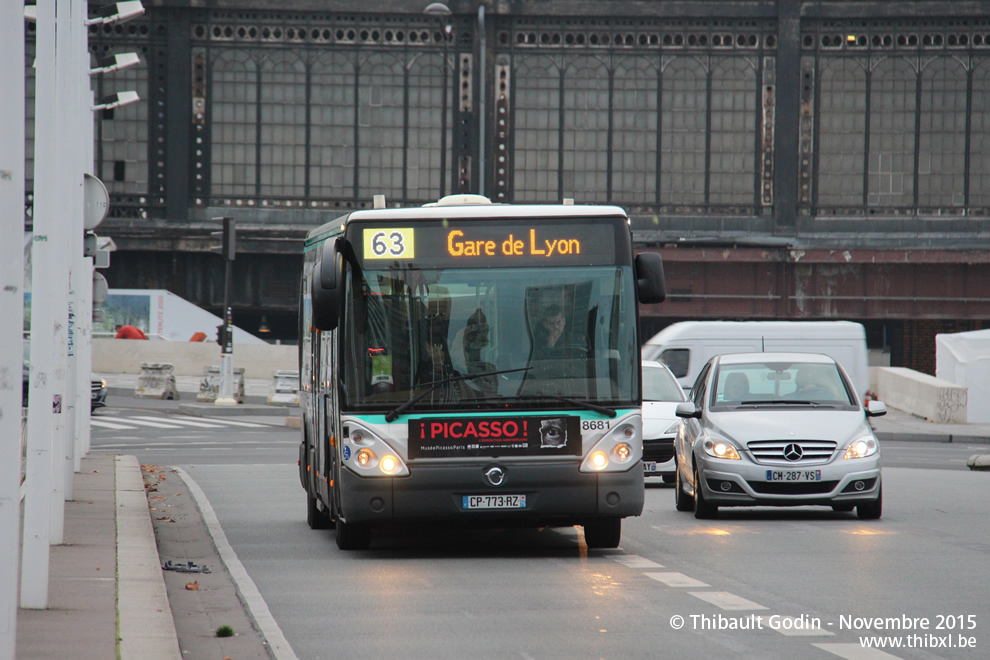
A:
{"x": 876, "y": 408}
{"x": 687, "y": 410}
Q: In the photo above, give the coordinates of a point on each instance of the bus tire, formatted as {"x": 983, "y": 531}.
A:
{"x": 315, "y": 518}
{"x": 352, "y": 537}
{"x": 603, "y": 533}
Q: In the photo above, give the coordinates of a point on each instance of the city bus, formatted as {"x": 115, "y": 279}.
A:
{"x": 473, "y": 363}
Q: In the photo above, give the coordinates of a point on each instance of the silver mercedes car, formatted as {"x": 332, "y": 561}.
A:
{"x": 776, "y": 429}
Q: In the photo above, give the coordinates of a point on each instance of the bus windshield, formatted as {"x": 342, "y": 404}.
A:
{"x": 552, "y": 331}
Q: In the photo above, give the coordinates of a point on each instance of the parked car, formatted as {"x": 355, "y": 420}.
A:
{"x": 97, "y": 384}
{"x": 661, "y": 394}
{"x": 777, "y": 429}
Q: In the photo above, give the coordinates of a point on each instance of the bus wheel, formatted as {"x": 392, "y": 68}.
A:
{"x": 604, "y": 533}
{"x": 315, "y": 518}
{"x": 352, "y": 537}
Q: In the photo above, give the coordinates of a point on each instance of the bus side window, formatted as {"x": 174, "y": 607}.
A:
{"x": 677, "y": 360}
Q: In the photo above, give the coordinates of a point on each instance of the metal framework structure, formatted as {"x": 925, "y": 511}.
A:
{"x": 799, "y": 127}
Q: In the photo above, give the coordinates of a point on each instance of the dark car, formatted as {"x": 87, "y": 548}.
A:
{"x": 97, "y": 384}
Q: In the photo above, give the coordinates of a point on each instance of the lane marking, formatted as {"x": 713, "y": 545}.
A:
{"x": 255, "y": 602}
{"x": 173, "y": 419}
{"x": 635, "y": 561}
{"x": 141, "y": 422}
{"x": 854, "y": 652}
{"x": 230, "y": 422}
{"x": 727, "y": 601}
{"x": 111, "y": 425}
{"x": 790, "y": 626}
{"x": 676, "y": 580}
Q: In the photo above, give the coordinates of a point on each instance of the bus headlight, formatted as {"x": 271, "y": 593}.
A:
{"x": 618, "y": 450}
{"x": 367, "y": 454}
{"x": 365, "y": 457}
{"x": 622, "y": 452}
{"x": 388, "y": 464}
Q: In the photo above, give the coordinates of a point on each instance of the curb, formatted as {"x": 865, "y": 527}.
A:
{"x": 146, "y": 628}
{"x": 946, "y": 438}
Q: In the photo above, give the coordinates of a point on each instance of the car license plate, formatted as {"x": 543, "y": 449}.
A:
{"x": 794, "y": 475}
{"x": 494, "y": 501}
{"x": 649, "y": 466}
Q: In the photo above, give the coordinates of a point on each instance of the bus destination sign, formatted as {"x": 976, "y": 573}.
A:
{"x": 490, "y": 245}
{"x": 442, "y": 437}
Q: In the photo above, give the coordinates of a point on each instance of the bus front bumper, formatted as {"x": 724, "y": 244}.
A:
{"x": 556, "y": 494}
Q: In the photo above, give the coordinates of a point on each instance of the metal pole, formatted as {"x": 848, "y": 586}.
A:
{"x": 12, "y": 303}
{"x": 225, "y": 396}
{"x": 45, "y": 276}
{"x": 444, "y": 31}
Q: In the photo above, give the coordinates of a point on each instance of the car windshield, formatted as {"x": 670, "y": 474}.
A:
{"x": 781, "y": 383}
{"x": 659, "y": 385}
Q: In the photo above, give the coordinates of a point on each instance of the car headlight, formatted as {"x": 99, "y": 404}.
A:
{"x": 721, "y": 449}
{"x": 861, "y": 447}
{"x": 673, "y": 427}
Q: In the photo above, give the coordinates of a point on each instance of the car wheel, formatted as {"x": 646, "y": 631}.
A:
{"x": 702, "y": 508}
{"x": 604, "y": 533}
{"x": 682, "y": 501}
{"x": 843, "y": 508}
{"x": 351, "y": 536}
{"x": 315, "y": 518}
{"x": 872, "y": 510}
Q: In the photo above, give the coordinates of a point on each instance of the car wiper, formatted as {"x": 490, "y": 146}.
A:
{"x": 781, "y": 402}
{"x": 610, "y": 412}
{"x": 403, "y": 407}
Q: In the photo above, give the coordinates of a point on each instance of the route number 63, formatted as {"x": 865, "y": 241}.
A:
{"x": 389, "y": 243}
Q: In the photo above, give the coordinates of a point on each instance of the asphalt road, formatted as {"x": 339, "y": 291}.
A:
{"x": 796, "y": 583}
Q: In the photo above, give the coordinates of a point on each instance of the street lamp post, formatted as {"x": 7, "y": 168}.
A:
{"x": 442, "y": 12}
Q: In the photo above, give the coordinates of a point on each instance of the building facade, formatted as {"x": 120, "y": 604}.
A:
{"x": 791, "y": 160}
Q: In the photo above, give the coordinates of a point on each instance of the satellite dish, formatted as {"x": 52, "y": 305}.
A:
{"x": 96, "y": 202}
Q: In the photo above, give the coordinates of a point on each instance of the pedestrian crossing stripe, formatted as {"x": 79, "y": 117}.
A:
{"x": 130, "y": 423}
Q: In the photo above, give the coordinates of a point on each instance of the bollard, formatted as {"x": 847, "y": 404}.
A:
{"x": 156, "y": 381}
{"x": 285, "y": 388}
{"x": 209, "y": 386}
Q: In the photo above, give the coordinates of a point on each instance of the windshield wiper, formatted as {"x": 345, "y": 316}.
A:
{"x": 782, "y": 402}
{"x": 610, "y": 412}
{"x": 391, "y": 415}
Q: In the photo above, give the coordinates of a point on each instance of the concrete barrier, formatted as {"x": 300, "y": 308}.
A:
{"x": 922, "y": 395}
{"x": 124, "y": 356}
{"x": 156, "y": 381}
{"x": 209, "y": 387}
{"x": 285, "y": 388}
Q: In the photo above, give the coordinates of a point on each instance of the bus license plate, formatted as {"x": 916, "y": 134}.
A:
{"x": 649, "y": 467}
{"x": 794, "y": 475}
{"x": 494, "y": 501}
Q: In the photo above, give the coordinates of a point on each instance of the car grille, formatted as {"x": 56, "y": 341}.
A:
{"x": 781, "y": 451}
{"x": 795, "y": 488}
{"x": 660, "y": 451}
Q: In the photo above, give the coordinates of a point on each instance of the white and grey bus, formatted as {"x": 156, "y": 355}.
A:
{"x": 470, "y": 362}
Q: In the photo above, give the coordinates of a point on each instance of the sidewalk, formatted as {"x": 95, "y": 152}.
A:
{"x": 899, "y": 425}
{"x": 105, "y": 574}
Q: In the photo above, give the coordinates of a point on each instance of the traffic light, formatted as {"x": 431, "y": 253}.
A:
{"x": 227, "y": 238}
{"x": 221, "y": 336}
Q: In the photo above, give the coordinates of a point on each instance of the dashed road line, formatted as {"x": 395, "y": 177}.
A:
{"x": 635, "y": 561}
{"x": 855, "y": 652}
{"x": 181, "y": 421}
{"x": 673, "y": 579}
{"x": 727, "y": 601}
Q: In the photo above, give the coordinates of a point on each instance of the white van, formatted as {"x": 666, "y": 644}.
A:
{"x": 685, "y": 347}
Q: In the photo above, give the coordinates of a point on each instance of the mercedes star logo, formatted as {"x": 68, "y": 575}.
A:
{"x": 495, "y": 476}
{"x": 793, "y": 452}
